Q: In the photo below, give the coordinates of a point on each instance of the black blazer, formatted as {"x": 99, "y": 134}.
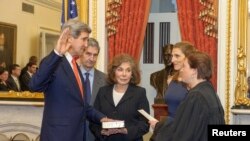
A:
{"x": 133, "y": 100}
{"x": 25, "y": 79}
{"x": 4, "y": 86}
{"x": 12, "y": 84}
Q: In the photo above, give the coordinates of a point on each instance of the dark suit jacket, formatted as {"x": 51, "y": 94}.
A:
{"x": 133, "y": 100}
{"x": 4, "y": 86}
{"x": 99, "y": 81}
{"x": 25, "y": 79}
{"x": 65, "y": 111}
{"x": 12, "y": 84}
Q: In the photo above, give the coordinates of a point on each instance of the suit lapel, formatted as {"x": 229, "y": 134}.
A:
{"x": 109, "y": 95}
{"x": 128, "y": 94}
{"x": 14, "y": 83}
{"x": 95, "y": 86}
{"x": 71, "y": 77}
{"x": 97, "y": 82}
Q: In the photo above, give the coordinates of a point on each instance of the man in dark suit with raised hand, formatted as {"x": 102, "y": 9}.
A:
{"x": 65, "y": 109}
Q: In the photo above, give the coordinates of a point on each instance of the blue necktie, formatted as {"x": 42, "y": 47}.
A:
{"x": 87, "y": 87}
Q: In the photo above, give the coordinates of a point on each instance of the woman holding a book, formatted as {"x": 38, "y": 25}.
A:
{"x": 121, "y": 100}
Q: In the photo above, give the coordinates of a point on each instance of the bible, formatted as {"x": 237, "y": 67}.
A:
{"x": 113, "y": 124}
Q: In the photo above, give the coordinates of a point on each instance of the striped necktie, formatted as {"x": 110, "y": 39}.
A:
{"x": 87, "y": 87}
{"x": 76, "y": 73}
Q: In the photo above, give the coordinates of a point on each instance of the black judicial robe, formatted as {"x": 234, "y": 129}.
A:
{"x": 201, "y": 108}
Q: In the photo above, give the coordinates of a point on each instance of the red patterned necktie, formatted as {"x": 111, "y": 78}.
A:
{"x": 76, "y": 72}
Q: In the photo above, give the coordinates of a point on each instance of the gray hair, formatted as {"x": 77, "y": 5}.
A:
{"x": 76, "y": 27}
{"x": 94, "y": 43}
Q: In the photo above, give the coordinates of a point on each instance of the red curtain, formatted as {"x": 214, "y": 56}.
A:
{"x": 192, "y": 30}
{"x": 130, "y": 29}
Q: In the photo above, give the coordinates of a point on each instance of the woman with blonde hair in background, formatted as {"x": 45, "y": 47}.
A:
{"x": 176, "y": 91}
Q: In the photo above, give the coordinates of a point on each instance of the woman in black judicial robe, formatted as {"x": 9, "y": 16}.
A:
{"x": 201, "y": 107}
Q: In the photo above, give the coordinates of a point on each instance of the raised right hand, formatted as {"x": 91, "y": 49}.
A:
{"x": 63, "y": 43}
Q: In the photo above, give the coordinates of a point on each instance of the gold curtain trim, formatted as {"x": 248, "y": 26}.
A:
{"x": 21, "y": 95}
{"x": 112, "y": 15}
{"x": 94, "y": 19}
{"x": 209, "y": 15}
{"x": 228, "y": 66}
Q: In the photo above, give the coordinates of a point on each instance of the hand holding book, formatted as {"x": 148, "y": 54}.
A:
{"x": 112, "y": 131}
{"x": 113, "y": 127}
{"x": 146, "y": 115}
{"x": 152, "y": 121}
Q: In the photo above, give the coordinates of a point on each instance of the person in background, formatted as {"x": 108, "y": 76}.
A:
{"x": 25, "y": 78}
{"x": 2, "y": 64}
{"x": 13, "y": 80}
{"x": 59, "y": 78}
{"x": 3, "y": 79}
{"x": 87, "y": 64}
{"x": 32, "y": 59}
{"x": 97, "y": 78}
{"x": 176, "y": 91}
{"x": 202, "y": 106}
{"x": 121, "y": 100}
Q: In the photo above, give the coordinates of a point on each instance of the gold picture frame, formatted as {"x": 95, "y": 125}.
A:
{"x": 25, "y": 98}
{"x": 8, "y": 37}
{"x": 241, "y": 99}
{"x": 21, "y": 96}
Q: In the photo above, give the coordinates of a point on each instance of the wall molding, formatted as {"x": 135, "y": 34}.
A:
{"x": 51, "y": 4}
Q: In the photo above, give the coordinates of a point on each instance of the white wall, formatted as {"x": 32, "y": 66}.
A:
{"x": 100, "y": 32}
{"x": 227, "y": 40}
{"x": 28, "y": 25}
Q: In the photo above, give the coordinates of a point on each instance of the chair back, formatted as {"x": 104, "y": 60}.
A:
{"x": 20, "y": 137}
{"x": 4, "y": 138}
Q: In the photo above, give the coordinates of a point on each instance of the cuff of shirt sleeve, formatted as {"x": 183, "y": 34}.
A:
{"x": 56, "y": 52}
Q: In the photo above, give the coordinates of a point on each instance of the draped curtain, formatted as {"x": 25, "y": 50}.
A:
{"x": 130, "y": 29}
{"x": 192, "y": 30}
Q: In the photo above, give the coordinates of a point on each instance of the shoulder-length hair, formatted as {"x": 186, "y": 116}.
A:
{"x": 117, "y": 61}
{"x": 203, "y": 63}
{"x": 186, "y": 48}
